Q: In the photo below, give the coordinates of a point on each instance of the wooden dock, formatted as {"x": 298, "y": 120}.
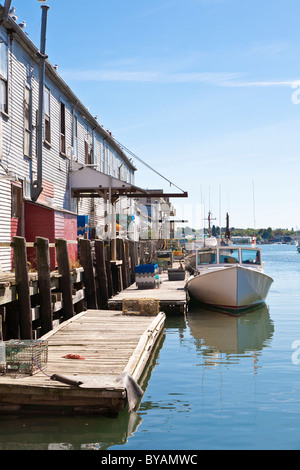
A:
{"x": 112, "y": 350}
{"x": 171, "y": 295}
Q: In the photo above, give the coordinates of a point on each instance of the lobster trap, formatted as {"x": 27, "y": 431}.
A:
{"x": 140, "y": 306}
{"x": 26, "y": 357}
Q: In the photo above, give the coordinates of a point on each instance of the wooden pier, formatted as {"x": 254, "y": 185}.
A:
{"x": 171, "y": 295}
{"x": 103, "y": 354}
{"x": 97, "y": 350}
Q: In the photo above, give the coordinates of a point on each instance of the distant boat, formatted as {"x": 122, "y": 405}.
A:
{"x": 229, "y": 278}
{"x": 298, "y": 247}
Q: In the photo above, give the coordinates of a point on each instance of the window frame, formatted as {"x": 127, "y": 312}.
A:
{"x": 228, "y": 256}
{"x": 16, "y": 201}
{"x": 47, "y": 115}
{"x": 4, "y": 78}
{"x": 75, "y": 137}
{"x": 27, "y": 121}
{"x": 62, "y": 128}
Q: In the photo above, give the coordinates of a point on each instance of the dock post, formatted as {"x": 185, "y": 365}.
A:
{"x": 22, "y": 282}
{"x": 65, "y": 279}
{"x": 133, "y": 260}
{"x": 126, "y": 262}
{"x": 101, "y": 274}
{"x": 44, "y": 283}
{"x": 88, "y": 275}
{"x": 111, "y": 291}
{"x": 122, "y": 256}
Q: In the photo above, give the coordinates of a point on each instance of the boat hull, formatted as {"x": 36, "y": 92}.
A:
{"x": 230, "y": 288}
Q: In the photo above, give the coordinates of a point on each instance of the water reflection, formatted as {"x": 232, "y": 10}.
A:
{"x": 67, "y": 433}
{"x": 216, "y": 333}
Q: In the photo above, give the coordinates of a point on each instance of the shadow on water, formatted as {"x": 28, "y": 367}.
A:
{"x": 74, "y": 433}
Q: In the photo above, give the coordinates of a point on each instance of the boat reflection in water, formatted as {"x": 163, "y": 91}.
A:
{"x": 218, "y": 334}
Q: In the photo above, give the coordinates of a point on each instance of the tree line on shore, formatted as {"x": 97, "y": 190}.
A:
{"x": 264, "y": 234}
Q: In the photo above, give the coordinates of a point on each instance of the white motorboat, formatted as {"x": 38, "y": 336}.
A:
{"x": 229, "y": 278}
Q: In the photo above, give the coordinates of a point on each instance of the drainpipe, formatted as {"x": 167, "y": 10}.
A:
{"x": 37, "y": 184}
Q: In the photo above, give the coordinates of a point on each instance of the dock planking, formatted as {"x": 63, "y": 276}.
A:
{"x": 171, "y": 295}
{"x": 109, "y": 343}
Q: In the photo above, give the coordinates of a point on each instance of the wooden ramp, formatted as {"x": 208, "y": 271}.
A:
{"x": 171, "y": 295}
{"x": 110, "y": 344}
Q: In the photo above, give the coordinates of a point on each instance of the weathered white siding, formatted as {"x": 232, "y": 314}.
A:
{"x": 5, "y": 218}
{"x": 23, "y": 71}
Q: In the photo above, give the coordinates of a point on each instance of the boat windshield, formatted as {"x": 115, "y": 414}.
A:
{"x": 250, "y": 256}
{"x": 227, "y": 255}
{"x": 209, "y": 257}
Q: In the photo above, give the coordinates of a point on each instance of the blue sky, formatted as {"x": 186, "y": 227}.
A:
{"x": 204, "y": 91}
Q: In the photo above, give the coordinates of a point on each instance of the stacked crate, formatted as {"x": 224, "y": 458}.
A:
{"x": 147, "y": 276}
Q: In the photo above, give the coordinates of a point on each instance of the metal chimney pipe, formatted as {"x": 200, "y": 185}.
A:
{"x": 37, "y": 185}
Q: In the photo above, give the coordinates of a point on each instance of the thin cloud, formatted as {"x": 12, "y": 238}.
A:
{"x": 150, "y": 76}
{"x": 222, "y": 79}
{"x": 270, "y": 83}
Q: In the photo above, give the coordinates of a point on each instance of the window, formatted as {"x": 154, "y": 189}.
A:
{"x": 27, "y": 122}
{"x": 250, "y": 256}
{"x": 47, "y": 135}
{"x": 229, "y": 256}
{"x": 3, "y": 77}
{"x": 207, "y": 258}
{"x": 87, "y": 153}
{"x": 75, "y": 134}
{"x": 16, "y": 201}
{"x": 95, "y": 150}
{"x": 105, "y": 159}
{"x": 62, "y": 128}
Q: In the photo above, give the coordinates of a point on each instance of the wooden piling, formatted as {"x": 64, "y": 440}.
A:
{"x": 22, "y": 283}
{"x": 126, "y": 262}
{"x": 122, "y": 257}
{"x": 44, "y": 283}
{"x": 101, "y": 274}
{"x": 142, "y": 252}
{"x": 65, "y": 279}
{"x": 11, "y": 328}
{"x": 116, "y": 270}
{"x": 133, "y": 260}
{"x": 108, "y": 269}
{"x": 88, "y": 276}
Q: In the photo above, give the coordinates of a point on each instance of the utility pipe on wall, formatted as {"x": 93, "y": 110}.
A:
{"x": 37, "y": 187}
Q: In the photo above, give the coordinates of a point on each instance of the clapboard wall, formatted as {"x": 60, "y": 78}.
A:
{"x": 104, "y": 153}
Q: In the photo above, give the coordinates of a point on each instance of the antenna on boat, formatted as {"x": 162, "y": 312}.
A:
{"x": 220, "y": 211}
{"x": 253, "y": 203}
{"x": 209, "y": 219}
{"x": 254, "y": 221}
{"x": 227, "y": 234}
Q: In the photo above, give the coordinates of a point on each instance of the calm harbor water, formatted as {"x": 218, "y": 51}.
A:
{"x": 216, "y": 382}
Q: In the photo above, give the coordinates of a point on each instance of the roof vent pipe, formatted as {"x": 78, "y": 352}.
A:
{"x": 37, "y": 184}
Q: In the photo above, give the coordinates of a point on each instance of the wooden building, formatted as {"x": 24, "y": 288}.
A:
{"x": 71, "y": 140}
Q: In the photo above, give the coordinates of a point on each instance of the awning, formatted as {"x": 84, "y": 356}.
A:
{"x": 88, "y": 182}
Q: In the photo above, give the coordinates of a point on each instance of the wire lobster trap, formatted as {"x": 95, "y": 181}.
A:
{"x": 26, "y": 357}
